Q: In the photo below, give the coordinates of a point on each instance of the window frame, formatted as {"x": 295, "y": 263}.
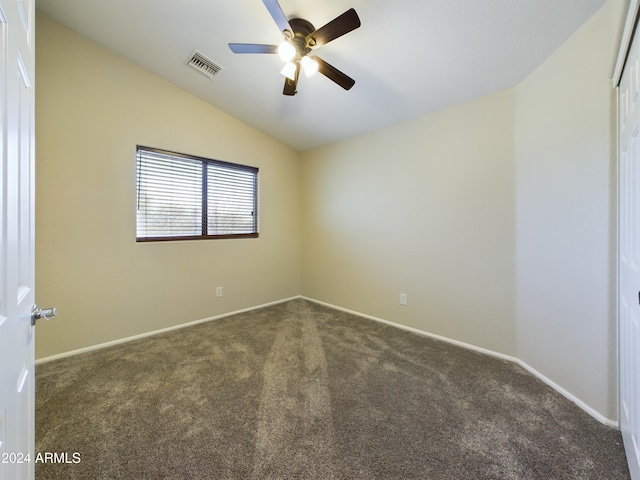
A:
{"x": 204, "y": 192}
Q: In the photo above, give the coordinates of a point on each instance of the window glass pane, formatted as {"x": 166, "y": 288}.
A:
{"x": 169, "y": 196}
{"x": 231, "y": 202}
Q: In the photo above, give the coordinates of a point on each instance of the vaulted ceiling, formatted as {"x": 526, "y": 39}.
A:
{"x": 408, "y": 58}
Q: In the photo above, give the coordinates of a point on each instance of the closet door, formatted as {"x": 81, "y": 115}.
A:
{"x": 629, "y": 257}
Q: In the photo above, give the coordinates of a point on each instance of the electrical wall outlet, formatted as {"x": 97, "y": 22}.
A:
{"x": 218, "y": 291}
{"x": 403, "y": 299}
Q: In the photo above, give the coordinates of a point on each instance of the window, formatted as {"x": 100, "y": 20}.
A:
{"x": 182, "y": 197}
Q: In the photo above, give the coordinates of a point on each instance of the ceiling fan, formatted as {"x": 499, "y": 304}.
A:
{"x": 300, "y": 38}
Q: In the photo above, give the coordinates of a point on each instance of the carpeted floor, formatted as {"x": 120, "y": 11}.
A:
{"x": 300, "y": 391}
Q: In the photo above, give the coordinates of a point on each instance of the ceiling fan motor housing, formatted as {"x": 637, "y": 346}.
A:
{"x": 301, "y": 29}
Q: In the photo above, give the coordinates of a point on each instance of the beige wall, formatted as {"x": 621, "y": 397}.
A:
{"x": 423, "y": 208}
{"x": 565, "y": 184}
{"x": 93, "y": 107}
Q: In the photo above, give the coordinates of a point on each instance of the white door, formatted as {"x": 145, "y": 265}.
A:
{"x": 629, "y": 257}
{"x": 17, "y": 66}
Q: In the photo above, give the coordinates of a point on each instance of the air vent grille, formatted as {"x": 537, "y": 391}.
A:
{"x": 202, "y": 64}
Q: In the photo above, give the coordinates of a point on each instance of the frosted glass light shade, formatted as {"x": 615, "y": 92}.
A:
{"x": 286, "y": 51}
{"x": 309, "y": 65}
{"x": 289, "y": 71}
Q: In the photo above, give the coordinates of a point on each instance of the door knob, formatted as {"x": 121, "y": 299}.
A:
{"x": 46, "y": 313}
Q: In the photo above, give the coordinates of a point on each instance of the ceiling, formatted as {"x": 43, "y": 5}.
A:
{"x": 408, "y": 58}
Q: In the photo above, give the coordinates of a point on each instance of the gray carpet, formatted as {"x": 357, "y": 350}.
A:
{"x": 300, "y": 391}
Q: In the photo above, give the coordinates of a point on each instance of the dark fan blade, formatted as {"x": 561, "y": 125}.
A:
{"x": 278, "y": 15}
{"x": 291, "y": 86}
{"x": 337, "y": 27}
{"x": 332, "y": 73}
{"x": 252, "y": 48}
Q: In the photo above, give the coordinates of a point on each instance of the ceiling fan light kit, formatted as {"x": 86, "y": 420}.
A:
{"x": 300, "y": 38}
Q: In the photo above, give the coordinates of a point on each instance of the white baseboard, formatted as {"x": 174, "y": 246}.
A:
{"x": 595, "y": 414}
{"x": 156, "y": 332}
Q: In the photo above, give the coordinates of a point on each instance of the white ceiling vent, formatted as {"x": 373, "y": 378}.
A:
{"x": 202, "y": 64}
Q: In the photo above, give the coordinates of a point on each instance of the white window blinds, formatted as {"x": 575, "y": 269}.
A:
{"x": 182, "y": 197}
